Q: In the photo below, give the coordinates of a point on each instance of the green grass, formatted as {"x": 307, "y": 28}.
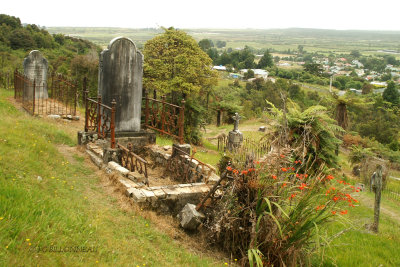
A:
{"x": 359, "y": 247}
{"x": 163, "y": 140}
{"x": 69, "y": 206}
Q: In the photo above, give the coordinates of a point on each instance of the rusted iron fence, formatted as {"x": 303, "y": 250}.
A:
{"x": 185, "y": 168}
{"x": 164, "y": 117}
{"x": 133, "y": 162}
{"x": 57, "y": 96}
{"x": 256, "y": 149}
{"x": 100, "y": 118}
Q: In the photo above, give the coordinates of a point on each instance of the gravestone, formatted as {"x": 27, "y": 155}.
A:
{"x": 35, "y": 69}
{"x": 120, "y": 78}
{"x": 235, "y": 137}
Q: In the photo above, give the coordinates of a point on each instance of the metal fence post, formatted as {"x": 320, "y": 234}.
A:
{"x": 162, "y": 113}
{"x": 15, "y": 84}
{"x": 146, "y": 116}
{"x": 181, "y": 121}
{"x": 98, "y": 115}
{"x": 112, "y": 123}
{"x": 85, "y": 95}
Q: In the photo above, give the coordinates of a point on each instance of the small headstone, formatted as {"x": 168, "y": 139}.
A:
{"x": 190, "y": 217}
{"x": 120, "y": 78}
{"x": 262, "y": 129}
{"x": 35, "y": 68}
{"x": 235, "y": 137}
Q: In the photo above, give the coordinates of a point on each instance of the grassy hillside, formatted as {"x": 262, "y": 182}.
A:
{"x": 68, "y": 205}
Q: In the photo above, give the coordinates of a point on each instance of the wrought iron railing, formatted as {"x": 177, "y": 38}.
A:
{"x": 249, "y": 146}
{"x": 133, "y": 162}
{"x": 185, "y": 168}
{"x": 57, "y": 95}
{"x": 164, "y": 117}
{"x": 100, "y": 118}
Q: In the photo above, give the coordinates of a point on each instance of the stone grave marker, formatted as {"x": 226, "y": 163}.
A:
{"x": 35, "y": 68}
{"x": 120, "y": 78}
{"x": 235, "y": 137}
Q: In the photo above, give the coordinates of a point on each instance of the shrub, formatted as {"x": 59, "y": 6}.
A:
{"x": 271, "y": 212}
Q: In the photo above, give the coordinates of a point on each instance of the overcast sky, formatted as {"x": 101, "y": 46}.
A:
{"x": 325, "y": 14}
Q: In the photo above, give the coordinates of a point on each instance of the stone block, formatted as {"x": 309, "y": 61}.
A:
{"x": 137, "y": 195}
{"x": 115, "y": 166}
{"x": 178, "y": 149}
{"x": 159, "y": 193}
{"x": 53, "y": 116}
{"x": 95, "y": 159}
{"x": 171, "y": 192}
{"x": 190, "y": 217}
{"x": 150, "y": 196}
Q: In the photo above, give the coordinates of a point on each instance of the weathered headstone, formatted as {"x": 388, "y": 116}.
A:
{"x": 235, "y": 137}
{"x": 35, "y": 68}
{"x": 120, "y": 78}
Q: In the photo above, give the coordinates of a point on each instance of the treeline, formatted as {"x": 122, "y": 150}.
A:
{"x": 67, "y": 55}
{"x": 235, "y": 59}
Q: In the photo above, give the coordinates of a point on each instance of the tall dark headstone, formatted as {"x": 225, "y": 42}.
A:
{"x": 35, "y": 68}
{"x": 120, "y": 78}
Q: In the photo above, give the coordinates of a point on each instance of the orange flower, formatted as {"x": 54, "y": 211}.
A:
{"x": 244, "y": 172}
{"x": 284, "y": 184}
{"x": 306, "y": 175}
{"x": 343, "y": 212}
{"x": 282, "y": 156}
{"x": 302, "y": 186}
{"x": 292, "y": 168}
{"x": 297, "y": 175}
{"x": 229, "y": 168}
{"x": 329, "y": 177}
{"x": 235, "y": 171}
{"x": 274, "y": 177}
{"x": 335, "y": 199}
{"x": 284, "y": 169}
{"x": 333, "y": 212}
{"x": 292, "y": 196}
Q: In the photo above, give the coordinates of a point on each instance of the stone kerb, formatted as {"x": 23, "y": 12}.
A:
{"x": 120, "y": 78}
{"x": 35, "y": 68}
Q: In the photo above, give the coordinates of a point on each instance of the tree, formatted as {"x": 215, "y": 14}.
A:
{"x": 206, "y": 44}
{"x": 313, "y": 68}
{"x": 249, "y": 74}
{"x": 355, "y": 53}
{"x": 367, "y": 88}
{"x": 391, "y": 94}
{"x": 221, "y": 44}
{"x": 266, "y": 61}
{"x": 21, "y": 38}
{"x": 173, "y": 62}
{"x": 300, "y": 48}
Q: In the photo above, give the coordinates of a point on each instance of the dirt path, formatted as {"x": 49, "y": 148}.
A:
{"x": 389, "y": 211}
